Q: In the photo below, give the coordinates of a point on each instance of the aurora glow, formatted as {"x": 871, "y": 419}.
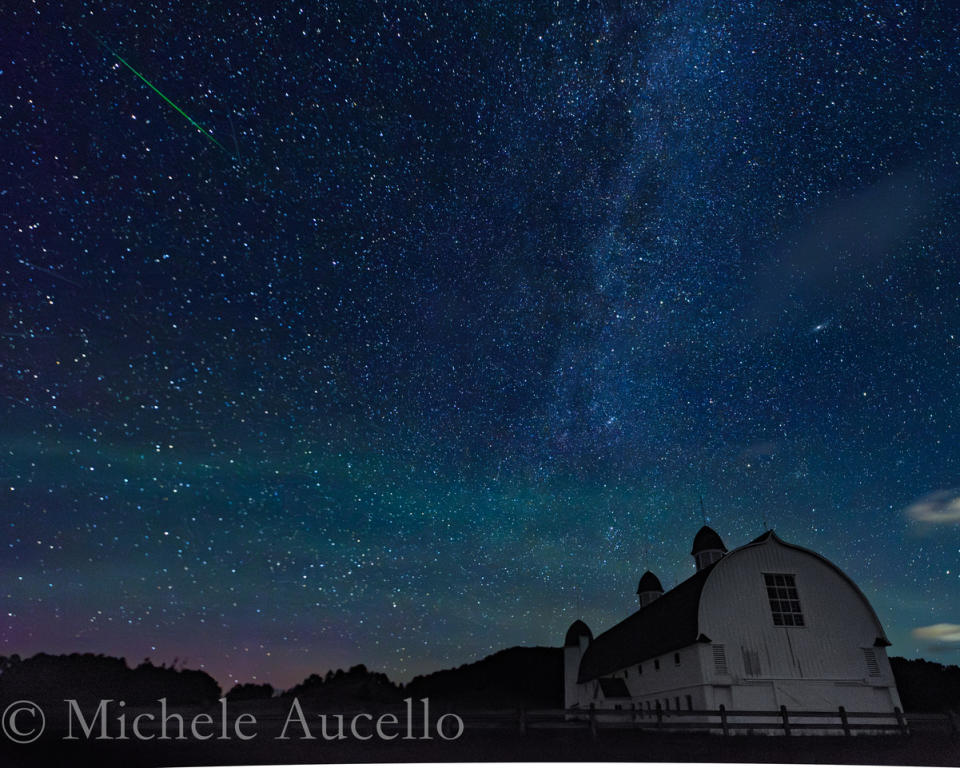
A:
{"x": 502, "y": 290}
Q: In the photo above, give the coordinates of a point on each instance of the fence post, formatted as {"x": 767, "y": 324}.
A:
{"x": 846, "y": 723}
{"x": 723, "y": 720}
{"x": 900, "y": 720}
{"x": 523, "y": 721}
{"x": 659, "y": 715}
{"x": 786, "y": 720}
{"x": 593, "y": 721}
{"x": 954, "y": 725}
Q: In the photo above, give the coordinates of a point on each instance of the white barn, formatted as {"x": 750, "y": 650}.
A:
{"x": 766, "y": 625}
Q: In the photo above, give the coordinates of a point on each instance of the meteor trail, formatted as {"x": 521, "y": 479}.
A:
{"x": 50, "y": 272}
{"x": 154, "y": 88}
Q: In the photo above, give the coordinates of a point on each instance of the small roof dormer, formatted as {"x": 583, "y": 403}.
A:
{"x": 708, "y": 547}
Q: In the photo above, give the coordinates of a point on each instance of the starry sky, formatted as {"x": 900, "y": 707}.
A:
{"x": 432, "y": 339}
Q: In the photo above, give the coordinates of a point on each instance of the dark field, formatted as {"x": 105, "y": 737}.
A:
{"x": 633, "y": 746}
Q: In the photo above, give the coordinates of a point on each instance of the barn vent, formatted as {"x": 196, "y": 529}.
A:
{"x": 873, "y": 666}
{"x": 720, "y": 659}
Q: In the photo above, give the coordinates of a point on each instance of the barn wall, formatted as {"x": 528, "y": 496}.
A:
{"x": 670, "y": 682}
{"x": 762, "y": 659}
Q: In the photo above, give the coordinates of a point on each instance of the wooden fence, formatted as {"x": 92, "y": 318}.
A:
{"x": 720, "y": 721}
{"x": 275, "y": 714}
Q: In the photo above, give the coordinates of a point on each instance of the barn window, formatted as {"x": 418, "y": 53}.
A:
{"x": 639, "y": 669}
{"x": 784, "y": 600}
{"x": 689, "y": 702}
{"x": 676, "y": 659}
{"x": 656, "y": 663}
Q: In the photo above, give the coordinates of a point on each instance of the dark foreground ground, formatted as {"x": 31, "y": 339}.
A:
{"x": 918, "y": 749}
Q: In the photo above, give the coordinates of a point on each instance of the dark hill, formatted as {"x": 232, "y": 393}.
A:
{"x": 515, "y": 677}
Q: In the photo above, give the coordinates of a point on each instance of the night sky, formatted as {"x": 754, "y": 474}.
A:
{"x": 433, "y": 341}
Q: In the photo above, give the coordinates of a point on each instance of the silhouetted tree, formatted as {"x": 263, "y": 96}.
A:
{"x": 250, "y": 691}
{"x": 90, "y": 678}
{"x": 926, "y": 686}
{"x": 356, "y": 686}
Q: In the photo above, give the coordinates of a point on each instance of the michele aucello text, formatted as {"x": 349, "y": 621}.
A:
{"x": 112, "y": 720}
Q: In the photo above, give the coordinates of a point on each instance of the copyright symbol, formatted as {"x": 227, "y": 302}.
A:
{"x": 22, "y": 722}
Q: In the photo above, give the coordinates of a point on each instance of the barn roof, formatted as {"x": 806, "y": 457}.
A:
{"x": 666, "y": 624}
{"x": 614, "y": 688}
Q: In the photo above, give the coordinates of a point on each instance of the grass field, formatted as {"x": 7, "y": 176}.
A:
{"x": 633, "y": 746}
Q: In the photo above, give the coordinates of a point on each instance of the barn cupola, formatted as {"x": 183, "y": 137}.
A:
{"x": 578, "y": 635}
{"x": 575, "y": 645}
{"x": 649, "y": 589}
{"x": 707, "y": 547}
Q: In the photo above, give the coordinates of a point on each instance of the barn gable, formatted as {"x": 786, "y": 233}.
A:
{"x": 881, "y": 640}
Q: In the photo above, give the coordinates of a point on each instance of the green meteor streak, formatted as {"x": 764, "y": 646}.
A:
{"x": 192, "y": 122}
{"x": 163, "y": 96}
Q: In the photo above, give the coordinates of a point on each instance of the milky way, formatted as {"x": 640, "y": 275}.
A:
{"x": 439, "y": 345}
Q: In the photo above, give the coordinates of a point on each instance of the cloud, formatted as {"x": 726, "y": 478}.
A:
{"x": 936, "y": 507}
{"x": 941, "y": 634}
{"x": 837, "y": 245}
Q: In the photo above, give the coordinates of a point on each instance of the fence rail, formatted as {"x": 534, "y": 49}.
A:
{"x": 721, "y": 721}
{"x": 728, "y": 722}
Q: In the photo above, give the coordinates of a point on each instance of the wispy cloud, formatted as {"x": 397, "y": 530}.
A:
{"x": 936, "y": 507}
{"x": 940, "y": 634}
